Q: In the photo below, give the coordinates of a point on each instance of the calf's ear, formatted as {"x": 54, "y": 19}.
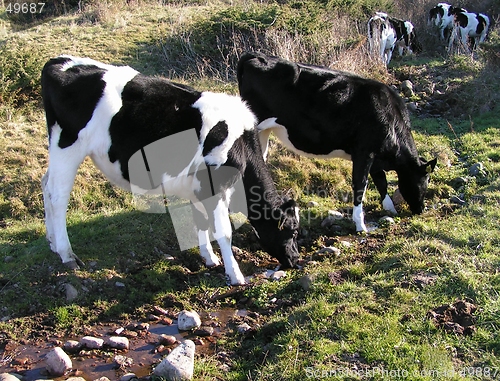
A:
{"x": 430, "y": 165}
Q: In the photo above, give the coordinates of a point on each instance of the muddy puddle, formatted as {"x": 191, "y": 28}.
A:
{"x": 29, "y": 360}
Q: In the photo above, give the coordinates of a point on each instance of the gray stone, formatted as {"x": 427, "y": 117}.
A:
{"x": 8, "y": 377}
{"x": 57, "y": 362}
{"x": 329, "y": 250}
{"x": 103, "y": 378}
{"x": 128, "y": 377}
{"x": 457, "y": 200}
{"x": 412, "y": 106}
{"x": 307, "y": 281}
{"x": 407, "y": 88}
{"x": 397, "y": 198}
{"x": 92, "y": 342}
{"x": 311, "y": 204}
{"x": 118, "y": 342}
{"x": 476, "y": 169}
{"x": 179, "y": 364}
{"x": 188, "y": 320}
{"x": 71, "y": 292}
{"x": 72, "y": 346}
{"x": 243, "y": 328}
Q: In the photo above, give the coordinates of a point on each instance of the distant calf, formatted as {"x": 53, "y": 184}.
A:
{"x": 388, "y": 33}
{"x": 441, "y": 16}
{"x": 324, "y": 113}
{"x": 468, "y": 25}
{"x": 116, "y": 116}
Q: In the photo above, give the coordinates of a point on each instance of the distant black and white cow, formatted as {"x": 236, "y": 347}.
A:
{"x": 317, "y": 112}
{"x": 111, "y": 113}
{"x": 441, "y": 16}
{"x": 468, "y": 25}
{"x": 386, "y": 33}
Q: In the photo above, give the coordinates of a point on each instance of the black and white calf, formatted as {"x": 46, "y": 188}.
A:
{"x": 468, "y": 25}
{"x": 112, "y": 112}
{"x": 317, "y": 112}
{"x": 387, "y": 33}
{"x": 441, "y": 16}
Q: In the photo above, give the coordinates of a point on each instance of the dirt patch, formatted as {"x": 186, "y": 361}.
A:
{"x": 456, "y": 318}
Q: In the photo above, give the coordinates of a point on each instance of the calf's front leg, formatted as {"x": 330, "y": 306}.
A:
{"x": 56, "y": 185}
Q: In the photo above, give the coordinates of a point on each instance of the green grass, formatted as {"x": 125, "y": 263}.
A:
{"x": 370, "y": 323}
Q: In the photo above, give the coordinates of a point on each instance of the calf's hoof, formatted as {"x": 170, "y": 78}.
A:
{"x": 72, "y": 265}
{"x": 75, "y": 263}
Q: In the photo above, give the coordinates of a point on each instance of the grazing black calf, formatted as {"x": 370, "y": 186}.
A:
{"x": 121, "y": 119}
{"x": 324, "y": 113}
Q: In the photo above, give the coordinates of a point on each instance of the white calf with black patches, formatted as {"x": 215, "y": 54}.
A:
{"x": 386, "y": 33}
{"x": 442, "y": 18}
{"x": 468, "y": 25}
{"x": 317, "y": 112}
{"x": 113, "y": 114}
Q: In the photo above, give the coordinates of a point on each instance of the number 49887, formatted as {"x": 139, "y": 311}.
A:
{"x": 25, "y": 7}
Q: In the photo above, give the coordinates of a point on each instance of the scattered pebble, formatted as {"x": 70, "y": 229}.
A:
{"x": 457, "y": 200}
{"x": 123, "y": 361}
{"x": 243, "y": 328}
{"x": 476, "y": 169}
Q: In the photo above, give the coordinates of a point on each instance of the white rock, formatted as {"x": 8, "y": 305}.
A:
{"x": 336, "y": 214}
{"x": 117, "y": 342}
{"x": 128, "y": 377}
{"x": 346, "y": 244}
{"x": 92, "y": 342}
{"x": 311, "y": 204}
{"x": 103, "y": 378}
{"x": 57, "y": 362}
{"x": 329, "y": 250}
{"x": 188, "y": 320}
{"x": 278, "y": 275}
{"x": 76, "y": 379}
{"x": 179, "y": 364}
{"x": 386, "y": 220}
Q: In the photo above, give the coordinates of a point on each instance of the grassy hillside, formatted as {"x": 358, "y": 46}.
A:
{"x": 359, "y": 313}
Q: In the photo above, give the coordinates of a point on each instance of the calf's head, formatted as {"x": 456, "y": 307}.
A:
{"x": 413, "y": 184}
{"x": 279, "y": 237}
